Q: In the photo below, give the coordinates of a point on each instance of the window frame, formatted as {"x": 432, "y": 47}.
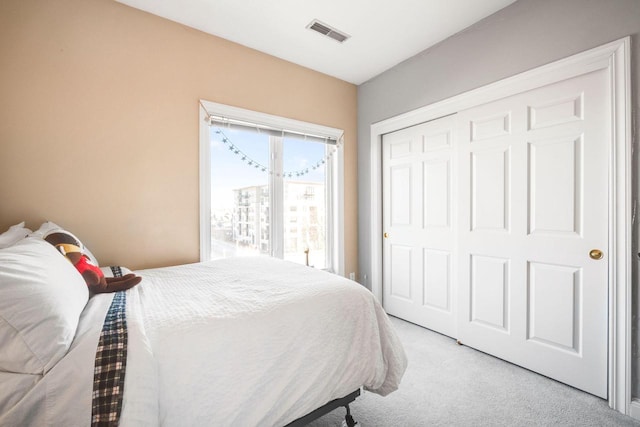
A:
{"x": 334, "y": 174}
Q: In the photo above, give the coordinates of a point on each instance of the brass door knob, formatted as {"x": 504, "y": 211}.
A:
{"x": 386, "y": 235}
{"x": 596, "y": 254}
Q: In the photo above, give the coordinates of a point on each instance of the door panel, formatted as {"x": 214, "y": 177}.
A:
{"x": 437, "y": 194}
{"x": 489, "y": 291}
{"x": 437, "y": 282}
{"x": 400, "y": 177}
{"x": 555, "y": 112}
{"x": 490, "y": 178}
{"x": 418, "y": 207}
{"x": 493, "y": 126}
{"x": 534, "y": 295}
{"x": 400, "y": 267}
{"x": 555, "y": 186}
{"x": 555, "y": 289}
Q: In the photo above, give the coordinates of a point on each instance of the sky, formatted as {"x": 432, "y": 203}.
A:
{"x": 229, "y": 171}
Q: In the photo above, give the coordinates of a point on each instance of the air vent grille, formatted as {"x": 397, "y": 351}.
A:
{"x": 328, "y": 31}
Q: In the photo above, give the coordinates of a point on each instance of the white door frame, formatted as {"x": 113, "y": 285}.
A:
{"x": 615, "y": 58}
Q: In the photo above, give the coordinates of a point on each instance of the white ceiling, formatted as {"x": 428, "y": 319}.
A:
{"x": 383, "y": 32}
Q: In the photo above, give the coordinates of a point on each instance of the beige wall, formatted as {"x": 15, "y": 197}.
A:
{"x": 99, "y": 123}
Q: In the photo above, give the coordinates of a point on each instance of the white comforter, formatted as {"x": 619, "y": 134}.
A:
{"x": 247, "y": 342}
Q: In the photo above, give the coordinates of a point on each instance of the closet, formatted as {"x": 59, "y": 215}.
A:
{"x": 496, "y": 228}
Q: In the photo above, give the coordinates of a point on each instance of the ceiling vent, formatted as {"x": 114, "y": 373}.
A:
{"x": 328, "y": 31}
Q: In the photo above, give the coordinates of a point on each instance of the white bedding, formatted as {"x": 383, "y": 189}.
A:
{"x": 249, "y": 342}
{"x": 63, "y": 395}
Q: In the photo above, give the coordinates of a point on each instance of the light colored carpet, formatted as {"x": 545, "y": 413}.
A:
{"x": 450, "y": 385}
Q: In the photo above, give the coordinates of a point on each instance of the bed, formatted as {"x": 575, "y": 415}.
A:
{"x": 240, "y": 341}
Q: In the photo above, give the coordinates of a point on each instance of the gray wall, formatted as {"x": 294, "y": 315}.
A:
{"x": 526, "y": 34}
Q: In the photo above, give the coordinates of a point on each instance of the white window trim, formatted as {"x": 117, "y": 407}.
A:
{"x": 276, "y": 198}
{"x": 615, "y": 58}
{"x": 335, "y": 167}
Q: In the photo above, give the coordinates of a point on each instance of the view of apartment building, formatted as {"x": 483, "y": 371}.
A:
{"x": 246, "y": 228}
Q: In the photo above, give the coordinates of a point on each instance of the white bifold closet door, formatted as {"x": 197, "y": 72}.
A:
{"x": 526, "y": 250}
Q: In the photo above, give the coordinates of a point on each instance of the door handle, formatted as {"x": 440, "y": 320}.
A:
{"x": 596, "y": 254}
{"x": 386, "y": 235}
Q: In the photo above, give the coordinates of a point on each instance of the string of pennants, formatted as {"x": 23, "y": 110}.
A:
{"x": 263, "y": 168}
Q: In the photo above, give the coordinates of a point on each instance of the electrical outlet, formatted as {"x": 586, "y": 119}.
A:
{"x": 352, "y": 276}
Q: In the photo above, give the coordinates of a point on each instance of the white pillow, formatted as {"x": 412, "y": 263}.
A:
{"x": 14, "y": 234}
{"x": 49, "y": 227}
{"x": 41, "y": 298}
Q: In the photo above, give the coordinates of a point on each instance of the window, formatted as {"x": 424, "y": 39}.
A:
{"x": 270, "y": 186}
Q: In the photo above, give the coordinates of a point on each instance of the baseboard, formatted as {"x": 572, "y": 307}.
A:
{"x": 635, "y": 409}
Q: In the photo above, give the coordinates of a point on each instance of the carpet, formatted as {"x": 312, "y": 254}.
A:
{"x": 451, "y": 385}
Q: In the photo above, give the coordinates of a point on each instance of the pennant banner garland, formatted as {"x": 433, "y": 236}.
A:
{"x": 264, "y": 168}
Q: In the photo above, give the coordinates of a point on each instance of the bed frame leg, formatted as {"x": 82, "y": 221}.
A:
{"x": 348, "y": 419}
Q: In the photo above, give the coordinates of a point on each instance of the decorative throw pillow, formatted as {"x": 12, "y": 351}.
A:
{"x": 41, "y": 298}
{"x": 14, "y": 234}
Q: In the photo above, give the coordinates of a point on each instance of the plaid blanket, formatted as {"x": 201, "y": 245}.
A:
{"x": 111, "y": 361}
